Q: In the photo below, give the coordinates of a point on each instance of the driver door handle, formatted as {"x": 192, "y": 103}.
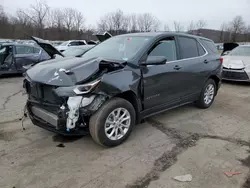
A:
{"x": 177, "y": 67}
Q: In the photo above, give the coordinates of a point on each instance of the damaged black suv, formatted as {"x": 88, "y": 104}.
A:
{"x": 121, "y": 81}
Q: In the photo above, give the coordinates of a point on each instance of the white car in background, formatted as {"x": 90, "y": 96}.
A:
{"x": 65, "y": 45}
{"x": 236, "y": 64}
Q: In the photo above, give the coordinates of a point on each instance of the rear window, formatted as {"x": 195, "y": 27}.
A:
{"x": 209, "y": 45}
{"x": 240, "y": 51}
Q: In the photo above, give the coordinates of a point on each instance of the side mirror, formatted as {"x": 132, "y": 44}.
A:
{"x": 155, "y": 60}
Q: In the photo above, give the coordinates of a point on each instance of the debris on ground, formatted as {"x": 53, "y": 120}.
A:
{"x": 184, "y": 178}
{"x": 230, "y": 174}
{"x": 60, "y": 145}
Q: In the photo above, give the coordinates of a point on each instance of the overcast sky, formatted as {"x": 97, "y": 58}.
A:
{"x": 213, "y": 11}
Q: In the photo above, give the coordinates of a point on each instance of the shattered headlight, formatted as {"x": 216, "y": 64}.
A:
{"x": 76, "y": 90}
{"x": 85, "y": 88}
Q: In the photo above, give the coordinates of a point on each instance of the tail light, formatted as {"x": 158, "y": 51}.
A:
{"x": 221, "y": 59}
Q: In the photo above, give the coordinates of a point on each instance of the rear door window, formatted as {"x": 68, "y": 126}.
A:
{"x": 24, "y": 50}
{"x": 188, "y": 47}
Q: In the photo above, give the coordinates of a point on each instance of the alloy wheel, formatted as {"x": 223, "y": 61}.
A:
{"x": 209, "y": 94}
{"x": 117, "y": 123}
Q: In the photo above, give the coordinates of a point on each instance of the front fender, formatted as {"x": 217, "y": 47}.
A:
{"x": 120, "y": 81}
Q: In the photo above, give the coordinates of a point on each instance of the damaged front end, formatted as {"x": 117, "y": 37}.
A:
{"x": 64, "y": 115}
{"x": 66, "y": 109}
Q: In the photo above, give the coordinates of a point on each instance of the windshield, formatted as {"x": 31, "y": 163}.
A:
{"x": 118, "y": 48}
{"x": 64, "y": 43}
{"x": 240, "y": 51}
{"x": 74, "y": 51}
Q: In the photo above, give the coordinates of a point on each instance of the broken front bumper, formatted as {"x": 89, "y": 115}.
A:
{"x": 52, "y": 122}
{"x": 67, "y": 120}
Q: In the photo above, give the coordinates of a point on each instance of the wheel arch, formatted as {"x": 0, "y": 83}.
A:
{"x": 216, "y": 80}
{"x": 131, "y": 97}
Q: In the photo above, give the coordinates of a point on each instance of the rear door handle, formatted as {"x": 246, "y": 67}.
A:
{"x": 206, "y": 61}
{"x": 177, "y": 67}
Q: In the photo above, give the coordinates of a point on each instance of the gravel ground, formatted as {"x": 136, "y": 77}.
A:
{"x": 187, "y": 140}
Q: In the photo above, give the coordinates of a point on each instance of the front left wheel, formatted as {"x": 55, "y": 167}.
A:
{"x": 112, "y": 124}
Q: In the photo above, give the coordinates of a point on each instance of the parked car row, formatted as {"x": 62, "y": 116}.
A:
{"x": 13, "y": 57}
{"x": 16, "y": 58}
{"x": 119, "y": 82}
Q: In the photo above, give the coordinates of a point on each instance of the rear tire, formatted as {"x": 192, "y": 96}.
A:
{"x": 117, "y": 115}
{"x": 207, "y": 95}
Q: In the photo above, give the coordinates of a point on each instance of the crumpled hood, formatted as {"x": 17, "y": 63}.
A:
{"x": 63, "y": 71}
{"x": 236, "y": 62}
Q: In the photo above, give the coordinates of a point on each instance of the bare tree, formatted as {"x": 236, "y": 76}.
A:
{"x": 166, "y": 27}
{"x": 102, "y": 25}
{"x": 200, "y": 24}
{"x": 56, "y": 18}
{"x": 178, "y": 27}
{"x": 132, "y": 23}
{"x": 147, "y": 22}
{"x": 237, "y": 26}
{"x": 191, "y": 27}
{"x": 69, "y": 19}
{"x": 117, "y": 20}
{"x": 37, "y": 13}
{"x": 114, "y": 22}
{"x": 79, "y": 21}
{"x": 247, "y": 33}
{"x": 223, "y": 29}
{"x": 22, "y": 18}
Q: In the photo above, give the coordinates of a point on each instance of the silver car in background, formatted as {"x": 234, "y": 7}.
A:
{"x": 236, "y": 65}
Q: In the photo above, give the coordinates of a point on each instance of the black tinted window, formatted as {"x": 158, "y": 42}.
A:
{"x": 165, "y": 48}
{"x": 209, "y": 45}
{"x": 188, "y": 47}
{"x": 200, "y": 49}
{"x": 81, "y": 43}
{"x": 75, "y": 43}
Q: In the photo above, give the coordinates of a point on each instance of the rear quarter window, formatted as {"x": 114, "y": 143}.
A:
{"x": 209, "y": 45}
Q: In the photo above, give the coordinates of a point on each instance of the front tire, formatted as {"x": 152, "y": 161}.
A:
{"x": 207, "y": 95}
{"x": 112, "y": 124}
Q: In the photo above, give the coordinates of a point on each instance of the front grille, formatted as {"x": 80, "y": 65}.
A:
{"x": 235, "y": 75}
{"x": 43, "y": 96}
